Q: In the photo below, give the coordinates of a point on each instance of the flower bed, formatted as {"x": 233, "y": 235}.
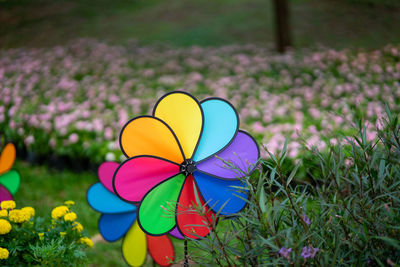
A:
{"x": 73, "y": 100}
{"x": 29, "y": 240}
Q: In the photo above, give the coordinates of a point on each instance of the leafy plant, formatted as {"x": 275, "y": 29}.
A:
{"x": 347, "y": 215}
{"x": 29, "y": 240}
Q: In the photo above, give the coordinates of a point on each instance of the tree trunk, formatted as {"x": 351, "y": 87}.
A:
{"x": 282, "y": 28}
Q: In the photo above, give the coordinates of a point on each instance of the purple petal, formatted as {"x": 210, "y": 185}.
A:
{"x": 242, "y": 153}
{"x": 175, "y": 233}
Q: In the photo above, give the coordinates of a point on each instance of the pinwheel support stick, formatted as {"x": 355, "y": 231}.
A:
{"x": 186, "y": 263}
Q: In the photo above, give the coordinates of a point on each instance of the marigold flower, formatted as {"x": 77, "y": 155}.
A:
{"x": 3, "y": 213}
{"x": 5, "y": 227}
{"x": 78, "y": 227}
{"x": 62, "y": 234}
{"x": 41, "y": 236}
{"x": 4, "y": 253}
{"x": 69, "y": 202}
{"x": 29, "y": 210}
{"x": 71, "y": 216}
{"x": 18, "y": 216}
{"x": 87, "y": 241}
{"x": 8, "y": 205}
{"x": 59, "y": 212}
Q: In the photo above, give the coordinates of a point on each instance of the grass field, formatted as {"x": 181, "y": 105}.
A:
{"x": 330, "y": 23}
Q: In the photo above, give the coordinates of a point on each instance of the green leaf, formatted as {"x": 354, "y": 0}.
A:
{"x": 261, "y": 201}
{"x": 293, "y": 173}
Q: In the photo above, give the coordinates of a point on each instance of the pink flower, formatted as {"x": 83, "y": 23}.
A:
{"x": 73, "y": 138}
{"x": 29, "y": 140}
{"x": 108, "y": 133}
{"x": 258, "y": 128}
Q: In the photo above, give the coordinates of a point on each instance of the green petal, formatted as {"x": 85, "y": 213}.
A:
{"x": 11, "y": 181}
{"x": 157, "y": 210}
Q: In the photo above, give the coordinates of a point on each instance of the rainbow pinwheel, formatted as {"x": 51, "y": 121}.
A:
{"x": 175, "y": 156}
{"x": 118, "y": 220}
{"x": 9, "y": 179}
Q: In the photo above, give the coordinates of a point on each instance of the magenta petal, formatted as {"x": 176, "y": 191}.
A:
{"x": 5, "y": 194}
{"x": 243, "y": 153}
{"x": 136, "y": 176}
{"x": 106, "y": 173}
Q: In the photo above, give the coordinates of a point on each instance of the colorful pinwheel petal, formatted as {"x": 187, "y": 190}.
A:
{"x": 189, "y": 153}
{"x": 118, "y": 220}
{"x": 9, "y": 179}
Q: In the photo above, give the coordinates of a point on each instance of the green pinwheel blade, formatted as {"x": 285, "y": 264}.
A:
{"x": 157, "y": 211}
{"x": 11, "y": 181}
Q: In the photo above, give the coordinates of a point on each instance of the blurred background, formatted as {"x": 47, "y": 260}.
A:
{"x": 331, "y": 23}
{"x": 72, "y": 73}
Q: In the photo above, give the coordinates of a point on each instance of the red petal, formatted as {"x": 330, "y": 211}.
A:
{"x": 161, "y": 249}
{"x": 188, "y": 219}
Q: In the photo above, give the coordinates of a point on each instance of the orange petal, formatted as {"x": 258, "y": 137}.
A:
{"x": 150, "y": 136}
{"x": 7, "y": 158}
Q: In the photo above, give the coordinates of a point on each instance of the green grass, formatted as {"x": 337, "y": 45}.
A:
{"x": 44, "y": 188}
{"x": 336, "y": 24}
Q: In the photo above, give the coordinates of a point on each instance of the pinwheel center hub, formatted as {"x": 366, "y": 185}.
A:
{"x": 188, "y": 167}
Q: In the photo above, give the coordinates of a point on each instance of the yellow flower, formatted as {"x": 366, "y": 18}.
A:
{"x": 41, "y": 236}
{"x": 18, "y": 216}
{"x": 87, "y": 241}
{"x": 62, "y": 234}
{"x": 69, "y": 202}
{"x": 3, "y": 213}
{"x": 29, "y": 210}
{"x": 59, "y": 212}
{"x": 70, "y": 216}
{"x": 5, "y": 227}
{"x": 7, "y": 205}
{"x": 78, "y": 227}
{"x": 4, "y": 253}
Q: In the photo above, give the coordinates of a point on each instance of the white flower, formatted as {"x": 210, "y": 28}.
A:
{"x": 122, "y": 158}
{"x": 110, "y": 156}
{"x": 29, "y": 140}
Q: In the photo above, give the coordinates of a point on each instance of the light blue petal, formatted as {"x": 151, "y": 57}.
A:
{"x": 102, "y": 200}
{"x": 221, "y": 123}
{"x": 219, "y": 193}
{"x": 114, "y": 226}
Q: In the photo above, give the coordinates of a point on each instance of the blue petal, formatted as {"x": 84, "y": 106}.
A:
{"x": 114, "y": 226}
{"x": 102, "y": 200}
{"x": 221, "y": 124}
{"x": 221, "y": 195}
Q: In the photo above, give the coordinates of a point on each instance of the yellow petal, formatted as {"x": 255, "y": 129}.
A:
{"x": 183, "y": 114}
{"x": 134, "y": 247}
